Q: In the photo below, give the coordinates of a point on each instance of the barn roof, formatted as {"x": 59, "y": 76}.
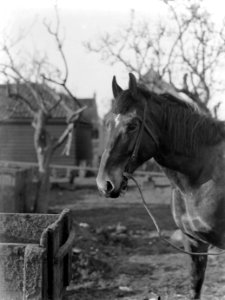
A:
{"x": 155, "y": 83}
{"x": 12, "y": 108}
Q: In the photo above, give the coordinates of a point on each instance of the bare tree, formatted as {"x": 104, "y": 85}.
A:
{"x": 187, "y": 50}
{"x": 34, "y": 79}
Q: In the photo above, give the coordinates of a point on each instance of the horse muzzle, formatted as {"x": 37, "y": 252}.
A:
{"x": 109, "y": 188}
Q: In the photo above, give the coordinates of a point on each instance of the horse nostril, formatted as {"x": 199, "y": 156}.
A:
{"x": 109, "y": 186}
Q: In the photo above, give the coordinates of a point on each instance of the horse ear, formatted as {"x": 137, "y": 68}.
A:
{"x": 132, "y": 84}
{"x": 116, "y": 88}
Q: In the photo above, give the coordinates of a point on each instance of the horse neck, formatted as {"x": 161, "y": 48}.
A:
{"x": 192, "y": 169}
{"x": 189, "y": 142}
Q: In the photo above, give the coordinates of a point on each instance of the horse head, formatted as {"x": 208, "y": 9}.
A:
{"x": 131, "y": 138}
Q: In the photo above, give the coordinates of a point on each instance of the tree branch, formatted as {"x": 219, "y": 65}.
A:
{"x": 73, "y": 118}
{"x": 18, "y": 96}
{"x": 55, "y": 34}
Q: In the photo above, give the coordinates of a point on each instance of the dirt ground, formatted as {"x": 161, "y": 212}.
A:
{"x": 117, "y": 254}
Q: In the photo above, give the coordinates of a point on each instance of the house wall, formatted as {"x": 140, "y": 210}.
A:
{"x": 16, "y": 143}
{"x": 84, "y": 149}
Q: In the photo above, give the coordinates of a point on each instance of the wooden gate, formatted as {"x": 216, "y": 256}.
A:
{"x": 35, "y": 255}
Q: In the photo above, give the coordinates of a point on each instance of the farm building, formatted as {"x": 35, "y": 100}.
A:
{"x": 16, "y": 132}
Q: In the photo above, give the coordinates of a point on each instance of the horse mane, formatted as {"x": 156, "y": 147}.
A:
{"x": 185, "y": 127}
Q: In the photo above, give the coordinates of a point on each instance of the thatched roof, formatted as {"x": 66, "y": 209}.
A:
{"x": 14, "y": 108}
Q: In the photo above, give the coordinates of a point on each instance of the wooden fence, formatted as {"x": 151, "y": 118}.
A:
{"x": 68, "y": 169}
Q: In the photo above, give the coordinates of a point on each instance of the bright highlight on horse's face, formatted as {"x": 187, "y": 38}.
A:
{"x": 122, "y": 120}
{"x": 117, "y": 120}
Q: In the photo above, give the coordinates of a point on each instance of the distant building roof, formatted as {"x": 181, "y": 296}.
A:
{"x": 155, "y": 83}
{"x": 91, "y": 113}
{"x": 12, "y": 108}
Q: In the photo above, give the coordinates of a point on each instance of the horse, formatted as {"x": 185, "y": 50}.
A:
{"x": 190, "y": 148}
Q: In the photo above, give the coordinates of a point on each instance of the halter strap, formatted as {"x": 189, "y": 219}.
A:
{"x": 139, "y": 136}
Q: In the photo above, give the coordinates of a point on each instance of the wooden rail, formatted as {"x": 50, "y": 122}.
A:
{"x": 65, "y": 248}
{"x": 73, "y": 168}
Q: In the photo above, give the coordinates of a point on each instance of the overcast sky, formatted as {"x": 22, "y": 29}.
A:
{"x": 81, "y": 21}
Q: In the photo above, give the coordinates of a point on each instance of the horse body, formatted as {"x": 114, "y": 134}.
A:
{"x": 189, "y": 146}
{"x": 198, "y": 206}
{"x": 194, "y": 210}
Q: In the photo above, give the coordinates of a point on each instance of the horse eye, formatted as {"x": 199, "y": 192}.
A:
{"x": 132, "y": 126}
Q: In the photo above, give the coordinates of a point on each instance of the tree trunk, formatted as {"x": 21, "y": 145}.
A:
{"x": 42, "y": 192}
{"x": 43, "y": 147}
